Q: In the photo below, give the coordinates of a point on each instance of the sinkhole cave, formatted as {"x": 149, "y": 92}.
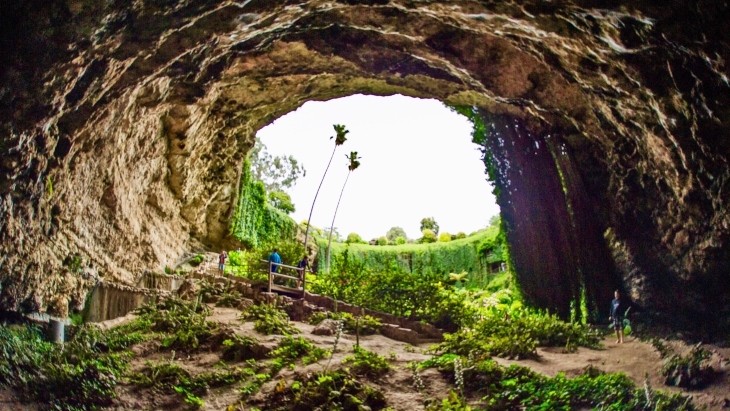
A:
{"x": 124, "y": 125}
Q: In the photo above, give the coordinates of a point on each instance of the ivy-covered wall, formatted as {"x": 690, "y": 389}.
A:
{"x": 473, "y": 255}
{"x": 255, "y": 222}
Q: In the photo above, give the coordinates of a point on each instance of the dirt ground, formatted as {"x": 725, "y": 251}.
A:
{"x": 634, "y": 358}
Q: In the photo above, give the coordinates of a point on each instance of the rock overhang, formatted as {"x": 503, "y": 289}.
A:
{"x": 143, "y": 113}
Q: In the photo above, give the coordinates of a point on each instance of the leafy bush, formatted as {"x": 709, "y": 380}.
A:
{"x": 81, "y": 375}
{"x": 400, "y": 240}
{"x": 184, "y": 322}
{"x": 428, "y": 236}
{"x": 168, "y": 377}
{"x": 367, "y": 363}
{"x": 268, "y": 319}
{"x": 368, "y": 325}
{"x": 451, "y": 403}
{"x": 354, "y": 238}
{"x": 197, "y": 260}
{"x": 688, "y": 371}
{"x": 382, "y": 241}
{"x": 335, "y": 390}
{"x": 230, "y": 299}
{"x": 291, "y": 349}
{"x": 460, "y": 235}
{"x": 515, "y": 332}
{"x": 444, "y": 237}
{"x": 238, "y": 348}
{"x": 515, "y": 387}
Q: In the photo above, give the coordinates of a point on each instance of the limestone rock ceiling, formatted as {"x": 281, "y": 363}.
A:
{"x": 124, "y": 125}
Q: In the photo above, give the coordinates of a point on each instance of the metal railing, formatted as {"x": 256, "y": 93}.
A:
{"x": 300, "y": 278}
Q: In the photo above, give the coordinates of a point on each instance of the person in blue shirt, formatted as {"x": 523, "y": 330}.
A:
{"x": 275, "y": 259}
{"x": 618, "y": 308}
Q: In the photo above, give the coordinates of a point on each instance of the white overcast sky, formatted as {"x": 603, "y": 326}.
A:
{"x": 417, "y": 161}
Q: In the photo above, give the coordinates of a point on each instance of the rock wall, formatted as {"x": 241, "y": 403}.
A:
{"x": 123, "y": 125}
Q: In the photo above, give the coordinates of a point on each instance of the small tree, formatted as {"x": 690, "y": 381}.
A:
{"x": 394, "y": 233}
{"x": 382, "y": 240}
{"x": 281, "y": 201}
{"x": 339, "y": 140}
{"x": 400, "y": 240}
{"x": 444, "y": 237}
{"x": 428, "y": 236}
{"x": 354, "y": 164}
{"x": 430, "y": 224}
{"x": 460, "y": 235}
{"x": 354, "y": 238}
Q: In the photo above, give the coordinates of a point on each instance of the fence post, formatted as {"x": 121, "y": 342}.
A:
{"x": 304, "y": 281}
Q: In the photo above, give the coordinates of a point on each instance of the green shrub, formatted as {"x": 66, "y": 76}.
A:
{"x": 368, "y": 325}
{"x": 291, "y": 349}
{"x": 168, "y": 377}
{"x": 453, "y": 402}
{"x": 400, "y": 240}
{"x": 444, "y": 237}
{"x": 516, "y": 387}
{"x": 382, "y": 240}
{"x": 367, "y": 363}
{"x": 335, "y": 390}
{"x": 197, "y": 260}
{"x": 688, "y": 371}
{"x": 80, "y": 375}
{"x": 515, "y": 332}
{"x": 268, "y": 319}
{"x": 238, "y": 348}
{"x": 231, "y": 299}
{"x": 428, "y": 236}
{"x": 183, "y": 322}
{"x": 460, "y": 235}
{"x": 354, "y": 238}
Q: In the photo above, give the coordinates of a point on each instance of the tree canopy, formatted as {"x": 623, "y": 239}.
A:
{"x": 394, "y": 233}
{"x": 278, "y": 173}
{"x": 430, "y": 224}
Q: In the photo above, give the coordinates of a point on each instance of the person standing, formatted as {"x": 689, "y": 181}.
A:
{"x": 618, "y": 309}
{"x": 303, "y": 267}
{"x": 275, "y": 259}
{"x": 222, "y": 261}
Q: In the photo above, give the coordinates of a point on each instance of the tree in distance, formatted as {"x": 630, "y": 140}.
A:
{"x": 430, "y": 224}
{"x": 354, "y": 238}
{"x": 383, "y": 240}
{"x": 444, "y": 237}
{"x": 281, "y": 201}
{"x": 277, "y": 173}
{"x": 428, "y": 236}
{"x": 394, "y": 233}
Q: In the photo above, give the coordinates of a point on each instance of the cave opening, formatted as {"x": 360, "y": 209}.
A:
{"x": 417, "y": 160}
{"x": 125, "y": 125}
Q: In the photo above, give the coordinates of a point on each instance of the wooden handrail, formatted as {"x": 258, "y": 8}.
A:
{"x": 272, "y": 274}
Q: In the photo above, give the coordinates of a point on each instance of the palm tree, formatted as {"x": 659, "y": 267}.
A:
{"x": 339, "y": 140}
{"x": 354, "y": 163}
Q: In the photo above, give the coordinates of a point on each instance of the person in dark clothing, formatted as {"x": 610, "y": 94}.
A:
{"x": 618, "y": 308}
{"x": 275, "y": 259}
{"x": 303, "y": 266}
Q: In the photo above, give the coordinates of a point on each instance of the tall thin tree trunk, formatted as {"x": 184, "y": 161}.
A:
{"x": 332, "y": 226}
{"x": 309, "y": 220}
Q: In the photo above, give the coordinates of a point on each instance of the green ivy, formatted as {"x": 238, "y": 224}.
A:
{"x": 255, "y": 222}
{"x": 472, "y": 255}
